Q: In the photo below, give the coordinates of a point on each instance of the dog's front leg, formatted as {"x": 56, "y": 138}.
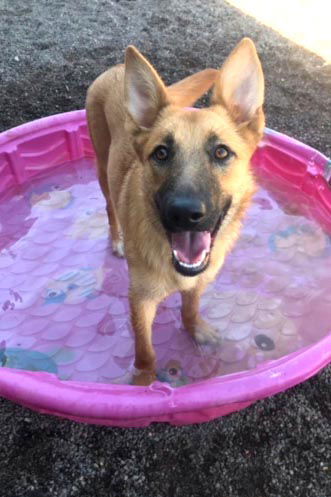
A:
{"x": 199, "y": 329}
{"x": 142, "y": 316}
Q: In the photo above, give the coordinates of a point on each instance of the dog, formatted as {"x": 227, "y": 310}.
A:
{"x": 176, "y": 179}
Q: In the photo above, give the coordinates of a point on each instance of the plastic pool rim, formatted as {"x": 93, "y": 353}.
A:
{"x": 126, "y": 405}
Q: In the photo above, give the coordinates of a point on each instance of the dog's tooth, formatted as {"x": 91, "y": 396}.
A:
{"x": 190, "y": 266}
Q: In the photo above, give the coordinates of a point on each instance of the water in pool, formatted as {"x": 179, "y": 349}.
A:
{"x": 63, "y": 296}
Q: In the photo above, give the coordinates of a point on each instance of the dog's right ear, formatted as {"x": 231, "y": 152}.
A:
{"x": 145, "y": 92}
{"x": 240, "y": 87}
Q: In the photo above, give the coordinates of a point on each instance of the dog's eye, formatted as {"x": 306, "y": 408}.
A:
{"x": 161, "y": 153}
{"x": 221, "y": 153}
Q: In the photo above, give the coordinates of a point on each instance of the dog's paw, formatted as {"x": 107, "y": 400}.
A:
{"x": 143, "y": 378}
{"x": 205, "y": 334}
{"x": 118, "y": 248}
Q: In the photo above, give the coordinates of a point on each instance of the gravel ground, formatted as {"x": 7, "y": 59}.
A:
{"x": 50, "y": 52}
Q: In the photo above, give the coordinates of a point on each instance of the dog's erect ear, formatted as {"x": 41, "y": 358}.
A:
{"x": 240, "y": 87}
{"x": 187, "y": 91}
{"x": 145, "y": 93}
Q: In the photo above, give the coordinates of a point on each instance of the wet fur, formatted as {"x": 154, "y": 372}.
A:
{"x": 129, "y": 181}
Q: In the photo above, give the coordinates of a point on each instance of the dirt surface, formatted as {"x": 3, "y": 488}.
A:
{"x": 51, "y": 50}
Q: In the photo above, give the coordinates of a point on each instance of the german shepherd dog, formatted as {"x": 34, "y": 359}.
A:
{"x": 177, "y": 180}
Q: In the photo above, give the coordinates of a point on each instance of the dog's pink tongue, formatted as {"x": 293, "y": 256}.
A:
{"x": 189, "y": 245}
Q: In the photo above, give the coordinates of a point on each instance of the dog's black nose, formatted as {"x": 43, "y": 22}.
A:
{"x": 185, "y": 212}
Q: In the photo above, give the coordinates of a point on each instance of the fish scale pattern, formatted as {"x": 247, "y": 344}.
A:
{"x": 63, "y": 295}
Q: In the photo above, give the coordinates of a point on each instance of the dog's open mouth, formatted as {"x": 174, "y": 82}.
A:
{"x": 190, "y": 250}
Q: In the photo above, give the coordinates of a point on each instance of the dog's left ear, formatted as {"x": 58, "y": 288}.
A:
{"x": 145, "y": 92}
{"x": 240, "y": 87}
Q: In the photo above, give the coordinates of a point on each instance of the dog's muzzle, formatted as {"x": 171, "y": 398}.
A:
{"x": 191, "y": 229}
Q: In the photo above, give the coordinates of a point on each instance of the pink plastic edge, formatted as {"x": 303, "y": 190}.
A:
{"x": 131, "y": 406}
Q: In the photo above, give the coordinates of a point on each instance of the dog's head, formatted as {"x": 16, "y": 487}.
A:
{"x": 196, "y": 163}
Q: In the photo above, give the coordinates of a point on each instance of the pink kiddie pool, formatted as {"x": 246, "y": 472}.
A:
{"x": 66, "y": 345}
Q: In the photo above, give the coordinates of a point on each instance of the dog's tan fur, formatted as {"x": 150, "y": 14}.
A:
{"x": 129, "y": 112}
